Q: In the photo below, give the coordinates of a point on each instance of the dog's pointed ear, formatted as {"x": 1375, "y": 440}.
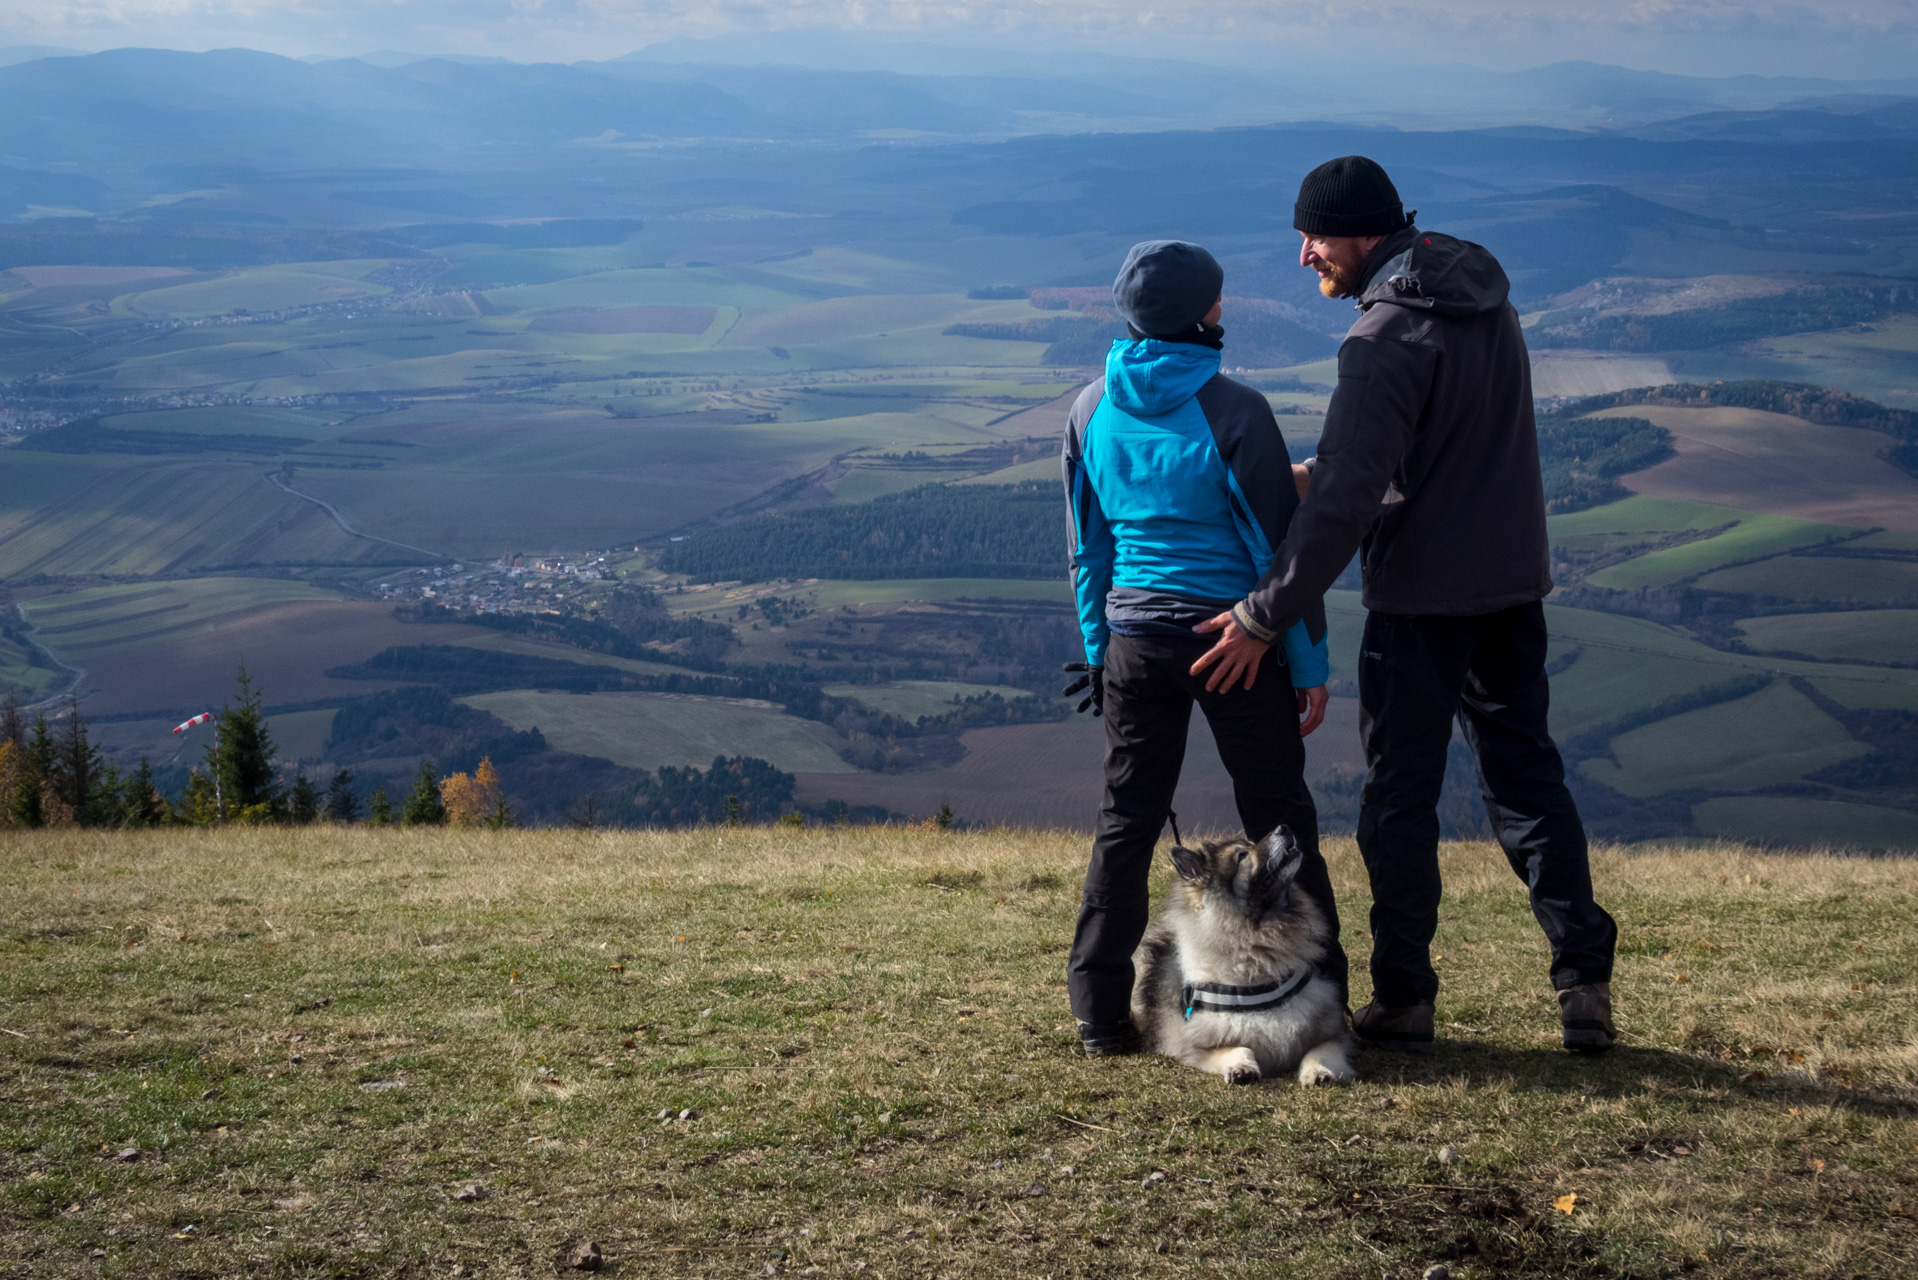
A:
{"x": 1189, "y": 863}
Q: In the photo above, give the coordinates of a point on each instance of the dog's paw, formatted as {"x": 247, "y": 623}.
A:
{"x": 1317, "y": 1073}
{"x": 1236, "y": 1065}
{"x": 1326, "y": 1064}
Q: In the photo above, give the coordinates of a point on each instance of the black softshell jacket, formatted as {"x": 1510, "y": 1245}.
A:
{"x": 1429, "y": 458}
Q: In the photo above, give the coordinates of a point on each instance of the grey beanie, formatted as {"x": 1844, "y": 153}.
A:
{"x": 1167, "y": 286}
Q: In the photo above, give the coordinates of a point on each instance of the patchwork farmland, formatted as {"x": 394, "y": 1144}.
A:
{"x": 298, "y": 451}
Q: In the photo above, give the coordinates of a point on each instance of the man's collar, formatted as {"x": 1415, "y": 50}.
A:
{"x": 1383, "y": 252}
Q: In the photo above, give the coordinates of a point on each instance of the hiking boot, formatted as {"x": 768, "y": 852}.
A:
{"x": 1110, "y": 1039}
{"x": 1407, "y": 1030}
{"x": 1585, "y": 1012}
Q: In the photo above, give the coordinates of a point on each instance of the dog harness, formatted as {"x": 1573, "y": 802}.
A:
{"x": 1220, "y": 997}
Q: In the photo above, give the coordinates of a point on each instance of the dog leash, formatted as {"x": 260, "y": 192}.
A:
{"x": 1172, "y": 816}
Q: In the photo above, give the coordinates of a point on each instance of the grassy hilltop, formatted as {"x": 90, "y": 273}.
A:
{"x": 313, "y": 1040}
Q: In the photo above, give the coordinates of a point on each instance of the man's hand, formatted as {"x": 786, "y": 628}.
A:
{"x": 1236, "y": 654}
{"x": 1301, "y": 478}
{"x": 1312, "y": 709}
{"x": 1092, "y": 684}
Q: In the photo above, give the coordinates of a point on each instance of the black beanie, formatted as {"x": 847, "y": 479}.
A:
{"x": 1167, "y": 286}
{"x": 1350, "y": 196}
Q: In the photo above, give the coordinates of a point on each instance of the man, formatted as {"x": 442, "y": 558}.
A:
{"x": 1179, "y": 487}
{"x": 1429, "y": 462}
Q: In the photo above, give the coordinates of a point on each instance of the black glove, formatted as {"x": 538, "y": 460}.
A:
{"x": 1094, "y": 680}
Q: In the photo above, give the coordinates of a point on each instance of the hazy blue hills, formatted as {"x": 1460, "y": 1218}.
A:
{"x": 234, "y": 156}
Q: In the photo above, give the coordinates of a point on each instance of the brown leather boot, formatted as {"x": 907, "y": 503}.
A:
{"x": 1585, "y": 1012}
{"x": 1407, "y": 1030}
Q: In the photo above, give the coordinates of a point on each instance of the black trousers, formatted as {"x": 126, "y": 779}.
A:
{"x": 1416, "y": 674}
{"x": 1148, "y": 709}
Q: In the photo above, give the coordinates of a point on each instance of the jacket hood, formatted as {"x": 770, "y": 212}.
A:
{"x": 1148, "y": 377}
{"x": 1429, "y": 271}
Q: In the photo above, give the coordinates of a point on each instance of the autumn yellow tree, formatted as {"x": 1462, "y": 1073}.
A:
{"x": 474, "y": 801}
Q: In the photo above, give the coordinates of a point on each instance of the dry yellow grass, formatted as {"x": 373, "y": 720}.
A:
{"x": 315, "y": 1037}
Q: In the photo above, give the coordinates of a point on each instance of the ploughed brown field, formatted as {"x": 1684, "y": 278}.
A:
{"x": 288, "y": 648}
{"x": 1771, "y": 462}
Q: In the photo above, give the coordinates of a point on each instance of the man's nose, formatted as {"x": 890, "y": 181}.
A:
{"x": 1305, "y": 253}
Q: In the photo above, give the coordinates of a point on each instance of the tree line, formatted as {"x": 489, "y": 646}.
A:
{"x": 934, "y": 531}
{"x": 52, "y": 774}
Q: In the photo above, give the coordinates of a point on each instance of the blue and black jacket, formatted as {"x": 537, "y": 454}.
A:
{"x": 1180, "y": 489}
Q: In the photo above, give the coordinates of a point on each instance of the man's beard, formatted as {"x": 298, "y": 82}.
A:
{"x": 1334, "y": 280}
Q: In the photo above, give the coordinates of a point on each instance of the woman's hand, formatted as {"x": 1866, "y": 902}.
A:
{"x": 1312, "y": 709}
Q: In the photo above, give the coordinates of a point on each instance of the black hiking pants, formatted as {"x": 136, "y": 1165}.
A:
{"x": 1416, "y": 674}
{"x": 1148, "y": 708}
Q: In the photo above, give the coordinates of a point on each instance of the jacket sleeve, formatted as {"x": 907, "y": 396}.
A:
{"x": 1089, "y": 540}
{"x": 1309, "y": 661}
{"x": 1259, "y": 471}
{"x": 1383, "y": 384}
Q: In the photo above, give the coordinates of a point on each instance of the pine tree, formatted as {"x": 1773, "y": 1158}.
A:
{"x": 76, "y": 776}
{"x": 342, "y": 804}
{"x": 141, "y": 804}
{"x": 502, "y": 815}
{"x": 424, "y": 808}
{"x": 30, "y": 793}
{"x": 240, "y": 758}
{"x": 303, "y": 807}
{"x": 379, "y": 808}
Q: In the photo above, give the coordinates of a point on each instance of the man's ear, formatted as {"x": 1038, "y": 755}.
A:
{"x": 1189, "y": 863}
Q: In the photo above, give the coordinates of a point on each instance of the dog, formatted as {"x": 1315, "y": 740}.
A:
{"x": 1226, "y": 979}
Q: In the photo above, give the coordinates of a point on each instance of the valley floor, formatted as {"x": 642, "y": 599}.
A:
{"x": 394, "y": 1052}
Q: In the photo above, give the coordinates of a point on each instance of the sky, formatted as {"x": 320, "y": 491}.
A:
{"x": 1841, "y": 39}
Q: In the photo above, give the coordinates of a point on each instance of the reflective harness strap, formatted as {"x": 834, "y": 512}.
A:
{"x": 1219, "y": 997}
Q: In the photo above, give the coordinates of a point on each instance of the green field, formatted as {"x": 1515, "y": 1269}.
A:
{"x": 293, "y": 284}
{"x": 1639, "y": 513}
{"x": 911, "y": 699}
{"x": 1875, "y": 635}
{"x": 21, "y": 674}
{"x": 1756, "y": 534}
{"x": 82, "y": 625}
{"x": 1814, "y": 824}
{"x": 108, "y": 514}
{"x": 1818, "y": 578}
{"x": 1772, "y": 736}
{"x": 647, "y": 730}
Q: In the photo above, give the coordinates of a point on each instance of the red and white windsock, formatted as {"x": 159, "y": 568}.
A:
{"x": 202, "y": 718}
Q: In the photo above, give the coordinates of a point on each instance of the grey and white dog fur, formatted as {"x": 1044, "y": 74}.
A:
{"x": 1234, "y": 918}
